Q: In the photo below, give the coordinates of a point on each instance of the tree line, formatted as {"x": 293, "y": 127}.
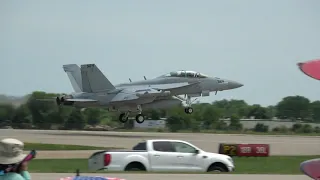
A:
{"x": 38, "y": 114}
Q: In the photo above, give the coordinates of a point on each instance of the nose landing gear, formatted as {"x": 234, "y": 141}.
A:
{"x": 188, "y": 110}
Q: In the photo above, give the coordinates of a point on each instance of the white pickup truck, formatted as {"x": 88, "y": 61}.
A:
{"x": 161, "y": 155}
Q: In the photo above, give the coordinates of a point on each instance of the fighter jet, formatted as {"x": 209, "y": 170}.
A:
{"x": 93, "y": 89}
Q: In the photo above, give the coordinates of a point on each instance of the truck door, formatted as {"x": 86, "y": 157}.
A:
{"x": 162, "y": 157}
{"x": 187, "y": 158}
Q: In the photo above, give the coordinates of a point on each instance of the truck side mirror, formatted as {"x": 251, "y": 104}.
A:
{"x": 196, "y": 151}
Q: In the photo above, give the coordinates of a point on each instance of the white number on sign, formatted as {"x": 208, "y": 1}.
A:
{"x": 245, "y": 149}
{"x": 261, "y": 150}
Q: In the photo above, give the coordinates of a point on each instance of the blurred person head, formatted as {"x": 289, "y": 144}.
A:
{"x": 11, "y": 154}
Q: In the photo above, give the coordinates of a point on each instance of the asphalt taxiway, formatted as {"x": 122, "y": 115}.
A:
{"x": 279, "y": 145}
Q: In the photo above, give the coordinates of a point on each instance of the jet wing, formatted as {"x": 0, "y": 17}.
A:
{"x": 150, "y": 91}
{"x": 173, "y": 86}
{"x": 125, "y": 96}
{"x": 129, "y": 95}
{"x": 81, "y": 100}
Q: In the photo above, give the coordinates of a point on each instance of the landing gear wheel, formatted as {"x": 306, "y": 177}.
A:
{"x": 123, "y": 118}
{"x": 139, "y": 118}
{"x": 188, "y": 110}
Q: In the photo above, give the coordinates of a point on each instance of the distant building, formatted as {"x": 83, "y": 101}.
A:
{"x": 154, "y": 124}
{"x": 251, "y": 123}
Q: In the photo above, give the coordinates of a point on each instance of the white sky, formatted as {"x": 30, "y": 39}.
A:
{"x": 257, "y": 43}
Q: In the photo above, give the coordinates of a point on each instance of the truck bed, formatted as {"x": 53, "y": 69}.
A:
{"x": 96, "y": 160}
{"x": 116, "y": 150}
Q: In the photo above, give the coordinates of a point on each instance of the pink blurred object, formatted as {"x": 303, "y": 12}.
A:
{"x": 90, "y": 178}
{"x": 311, "y": 68}
{"x": 311, "y": 168}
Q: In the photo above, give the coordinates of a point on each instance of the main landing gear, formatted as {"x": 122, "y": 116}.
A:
{"x": 139, "y": 118}
{"x": 125, "y": 116}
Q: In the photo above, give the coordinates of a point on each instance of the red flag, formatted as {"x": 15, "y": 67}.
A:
{"x": 311, "y": 68}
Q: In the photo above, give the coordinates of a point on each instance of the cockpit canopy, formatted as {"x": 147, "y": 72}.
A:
{"x": 183, "y": 73}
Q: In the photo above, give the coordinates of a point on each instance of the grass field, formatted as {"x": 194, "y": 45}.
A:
{"x": 244, "y": 165}
{"x": 61, "y": 147}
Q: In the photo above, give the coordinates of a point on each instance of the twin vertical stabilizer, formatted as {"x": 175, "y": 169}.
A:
{"x": 88, "y": 78}
{"x": 93, "y": 80}
{"x": 74, "y": 73}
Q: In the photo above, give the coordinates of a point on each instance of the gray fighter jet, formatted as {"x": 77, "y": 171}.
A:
{"x": 93, "y": 89}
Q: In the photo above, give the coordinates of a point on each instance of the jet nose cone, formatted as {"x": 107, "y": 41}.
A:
{"x": 234, "y": 84}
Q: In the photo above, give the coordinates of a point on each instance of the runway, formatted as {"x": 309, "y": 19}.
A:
{"x": 56, "y": 176}
{"x": 280, "y": 145}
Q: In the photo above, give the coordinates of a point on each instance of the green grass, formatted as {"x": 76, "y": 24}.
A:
{"x": 60, "y": 147}
{"x": 244, "y": 165}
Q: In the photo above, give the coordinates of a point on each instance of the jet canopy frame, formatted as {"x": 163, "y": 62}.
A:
{"x": 184, "y": 73}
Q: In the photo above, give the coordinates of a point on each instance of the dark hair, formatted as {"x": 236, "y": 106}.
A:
{"x": 4, "y": 167}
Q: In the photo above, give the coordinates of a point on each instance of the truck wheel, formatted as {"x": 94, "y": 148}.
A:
{"x": 135, "y": 166}
{"x": 217, "y": 167}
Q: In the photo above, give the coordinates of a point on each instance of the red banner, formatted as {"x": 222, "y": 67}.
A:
{"x": 253, "y": 150}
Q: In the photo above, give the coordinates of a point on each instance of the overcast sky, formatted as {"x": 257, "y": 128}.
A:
{"x": 255, "y": 42}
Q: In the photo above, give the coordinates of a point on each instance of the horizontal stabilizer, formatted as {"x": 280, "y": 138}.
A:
{"x": 81, "y": 100}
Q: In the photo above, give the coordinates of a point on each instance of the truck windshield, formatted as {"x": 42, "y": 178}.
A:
{"x": 140, "y": 146}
